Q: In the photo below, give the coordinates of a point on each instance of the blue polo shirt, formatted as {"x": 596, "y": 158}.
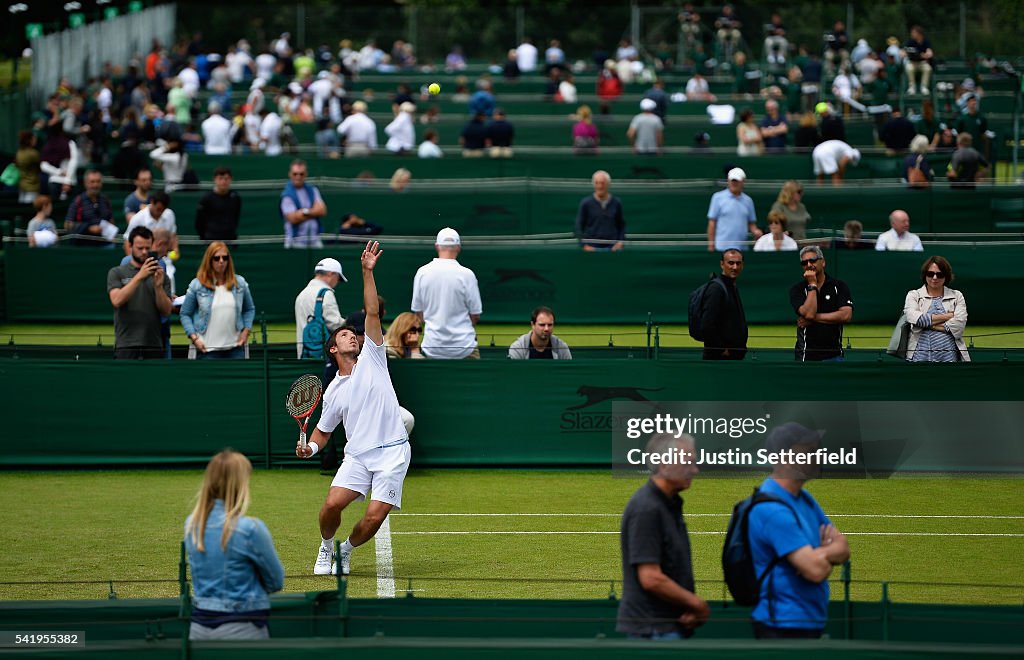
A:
{"x": 731, "y": 215}
{"x": 787, "y": 599}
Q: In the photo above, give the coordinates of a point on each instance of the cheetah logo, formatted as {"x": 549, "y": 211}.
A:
{"x": 596, "y": 395}
{"x": 509, "y": 274}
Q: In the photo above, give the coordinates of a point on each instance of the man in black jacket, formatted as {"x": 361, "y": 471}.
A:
{"x": 724, "y": 322}
{"x": 220, "y": 210}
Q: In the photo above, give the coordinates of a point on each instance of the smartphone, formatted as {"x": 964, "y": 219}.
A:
{"x": 153, "y": 255}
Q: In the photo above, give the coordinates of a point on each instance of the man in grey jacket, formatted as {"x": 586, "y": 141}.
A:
{"x": 539, "y": 343}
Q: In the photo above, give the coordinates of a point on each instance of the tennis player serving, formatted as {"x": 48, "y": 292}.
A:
{"x": 377, "y": 453}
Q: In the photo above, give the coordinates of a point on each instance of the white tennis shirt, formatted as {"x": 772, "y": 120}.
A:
{"x": 446, "y": 292}
{"x": 365, "y": 402}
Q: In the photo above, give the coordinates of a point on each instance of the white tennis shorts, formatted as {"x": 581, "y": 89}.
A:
{"x": 380, "y": 472}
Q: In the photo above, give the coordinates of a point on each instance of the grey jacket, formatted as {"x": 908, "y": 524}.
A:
{"x": 520, "y": 348}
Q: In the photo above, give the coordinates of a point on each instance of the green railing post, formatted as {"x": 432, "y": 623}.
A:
{"x": 885, "y": 611}
{"x": 657, "y": 341}
{"x": 266, "y": 386}
{"x": 847, "y": 605}
{"x": 649, "y": 324}
{"x": 342, "y": 593}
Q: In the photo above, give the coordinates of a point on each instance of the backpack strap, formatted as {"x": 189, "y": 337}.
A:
{"x": 759, "y": 498}
{"x": 318, "y": 308}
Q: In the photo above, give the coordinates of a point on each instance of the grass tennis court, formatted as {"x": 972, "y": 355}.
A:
{"x": 498, "y": 533}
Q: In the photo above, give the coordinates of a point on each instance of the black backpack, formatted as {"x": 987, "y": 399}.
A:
{"x": 737, "y": 559}
{"x": 695, "y": 309}
{"x": 314, "y": 335}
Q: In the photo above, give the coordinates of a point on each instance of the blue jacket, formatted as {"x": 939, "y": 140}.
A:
{"x": 240, "y": 578}
{"x": 195, "y": 311}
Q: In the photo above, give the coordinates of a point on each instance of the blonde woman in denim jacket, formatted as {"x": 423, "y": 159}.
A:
{"x": 235, "y": 567}
{"x": 218, "y": 310}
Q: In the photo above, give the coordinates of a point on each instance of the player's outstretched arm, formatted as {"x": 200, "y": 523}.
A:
{"x": 371, "y": 304}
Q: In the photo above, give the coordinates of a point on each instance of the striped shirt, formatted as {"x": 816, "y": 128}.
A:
{"x": 933, "y": 345}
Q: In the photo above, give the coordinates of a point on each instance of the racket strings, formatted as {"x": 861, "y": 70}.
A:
{"x": 303, "y": 395}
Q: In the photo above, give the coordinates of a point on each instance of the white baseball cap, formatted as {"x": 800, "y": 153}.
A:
{"x": 736, "y": 174}
{"x": 448, "y": 237}
{"x": 329, "y": 265}
{"x": 648, "y": 104}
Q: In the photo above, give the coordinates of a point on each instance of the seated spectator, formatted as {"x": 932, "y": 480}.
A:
{"x": 539, "y": 343}
{"x": 657, "y": 94}
{"x": 42, "y": 230}
{"x": 832, "y": 125}
{"x": 400, "y": 180}
{"x": 554, "y": 56}
{"x": 790, "y": 204}
{"x": 945, "y": 139}
{"x": 157, "y": 215}
{"x": 898, "y": 238}
{"x": 567, "y": 92}
{"x": 511, "y": 69}
{"x": 585, "y": 136}
{"x": 806, "y": 136}
{"x": 482, "y": 101}
{"x": 967, "y": 165}
{"x": 234, "y": 564}
{"x": 917, "y": 171}
{"x": 403, "y": 337}
{"x": 354, "y": 225}
{"x": 326, "y": 138}
{"x": 852, "y": 239}
{"x": 847, "y": 89}
{"x": 551, "y": 84}
{"x": 473, "y": 138}
{"x": 776, "y": 240}
{"x": 219, "y": 210}
{"x": 455, "y": 60}
{"x": 90, "y": 218}
{"x": 27, "y": 160}
{"x": 428, "y": 148}
{"x": 831, "y": 158}
{"x": 775, "y": 43}
{"x": 301, "y": 208}
{"x": 897, "y": 133}
{"x": 600, "y": 225}
{"x": 499, "y": 135}
{"x": 359, "y": 132}
{"x": 773, "y": 128}
{"x": 609, "y": 86}
{"x": 697, "y": 89}
{"x": 646, "y": 130}
{"x": 937, "y": 316}
{"x": 218, "y": 311}
{"x": 748, "y": 136}
{"x": 918, "y": 55}
{"x": 927, "y": 124}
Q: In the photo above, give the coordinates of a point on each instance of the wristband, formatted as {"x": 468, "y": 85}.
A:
{"x": 812, "y": 287}
{"x": 315, "y": 447}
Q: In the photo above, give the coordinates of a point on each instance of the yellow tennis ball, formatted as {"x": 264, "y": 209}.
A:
{"x": 434, "y": 88}
{"x": 173, "y": 254}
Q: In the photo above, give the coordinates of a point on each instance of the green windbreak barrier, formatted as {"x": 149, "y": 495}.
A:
{"x": 582, "y": 287}
{"x": 523, "y": 207}
{"x": 509, "y": 412}
{"x": 619, "y": 166}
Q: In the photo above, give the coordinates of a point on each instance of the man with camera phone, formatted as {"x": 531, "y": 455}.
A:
{"x": 140, "y": 293}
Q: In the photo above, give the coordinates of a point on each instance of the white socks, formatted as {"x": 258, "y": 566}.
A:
{"x": 347, "y": 547}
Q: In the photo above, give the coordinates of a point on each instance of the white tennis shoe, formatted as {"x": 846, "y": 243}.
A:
{"x": 343, "y": 558}
{"x": 325, "y": 562}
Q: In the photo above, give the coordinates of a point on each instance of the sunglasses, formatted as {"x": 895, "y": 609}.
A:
{"x": 298, "y": 174}
{"x": 221, "y": 257}
{"x": 416, "y": 329}
{"x": 934, "y": 273}
{"x": 808, "y": 262}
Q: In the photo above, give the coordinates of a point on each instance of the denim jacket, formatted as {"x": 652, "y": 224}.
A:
{"x": 240, "y": 578}
{"x": 195, "y": 311}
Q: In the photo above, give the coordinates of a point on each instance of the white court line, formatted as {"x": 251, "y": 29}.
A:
{"x": 693, "y": 515}
{"x": 385, "y": 567}
{"x": 463, "y": 533}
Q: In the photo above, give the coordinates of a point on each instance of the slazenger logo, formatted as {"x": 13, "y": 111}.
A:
{"x": 573, "y": 421}
{"x": 516, "y": 284}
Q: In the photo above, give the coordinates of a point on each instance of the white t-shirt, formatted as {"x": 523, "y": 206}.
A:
{"x": 767, "y": 244}
{"x": 359, "y": 129}
{"x": 305, "y": 303}
{"x": 429, "y": 150}
{"x": 446, "y": 292}
{"x": 893, "y": 242}
{"x": 365, "y": 402}
{"x": 526, "y": 57}
{"x": 237, "y": 62}
{"x": 144, "y": 219}
{"x": 270, "y": 133}
{"x": 265, "y": 66}
{"x": 252, "y": 128}
{"x": 217, "y": 132}
{"x": 189, "y": 81}
{"x": 568, "y": 91}
{"x": 401, "y": 133}
{"x": 220, "y": 332}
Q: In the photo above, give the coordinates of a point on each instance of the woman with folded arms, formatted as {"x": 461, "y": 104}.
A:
{"x": 937, "y": 316}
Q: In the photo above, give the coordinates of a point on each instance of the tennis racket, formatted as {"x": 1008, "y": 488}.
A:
{"x": 302, "y": 399}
